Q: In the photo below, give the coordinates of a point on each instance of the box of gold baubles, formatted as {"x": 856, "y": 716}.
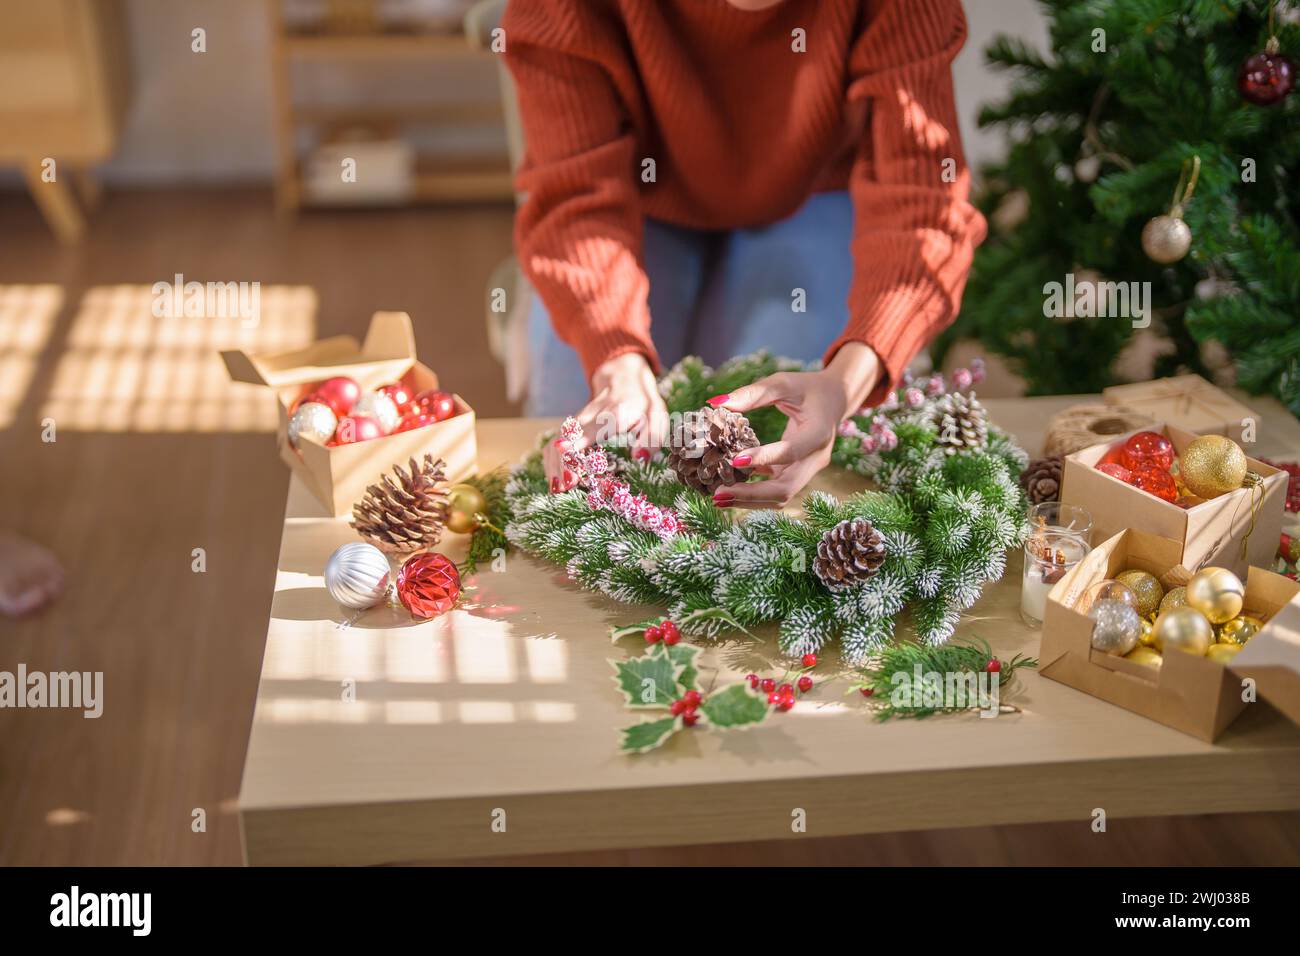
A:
{"x": 349, "y": 411}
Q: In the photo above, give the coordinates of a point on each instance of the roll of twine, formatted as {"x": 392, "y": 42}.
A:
{"x": 1081, "y": 426}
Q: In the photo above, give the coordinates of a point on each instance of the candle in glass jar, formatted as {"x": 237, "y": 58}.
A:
{"x": 1048, "y": 555}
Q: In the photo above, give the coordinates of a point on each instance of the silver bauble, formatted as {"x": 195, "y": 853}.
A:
{"x": 313, "y": 419}
{"x": 1116, "y": 626}
{"x": 356, "y": 575}
{"x": 1166, "y": 239}
{"x": 380, "y": 407}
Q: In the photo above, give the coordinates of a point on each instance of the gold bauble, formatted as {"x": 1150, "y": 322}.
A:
{"x": 1146, "y": 587}
{"x": 1239, "y": 630}
{"x": 1184, "y": 629}
{"x": 1213, "y": 465}
{"x": 1174, "y": 597}
{"x": 1146, "y": 656}
{"x": 1147, "y": 637}
{"x": 1222, "y": 653}
{"x": 1166, "y": 239}
{"x": 1217, "y": 593}
{"x": 464, "y": 502}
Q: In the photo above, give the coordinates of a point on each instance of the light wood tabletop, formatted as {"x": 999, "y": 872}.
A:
{"x": 493, "y": 730}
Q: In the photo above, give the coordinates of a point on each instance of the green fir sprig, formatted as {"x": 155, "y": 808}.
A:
{"x": 896, "y": 667}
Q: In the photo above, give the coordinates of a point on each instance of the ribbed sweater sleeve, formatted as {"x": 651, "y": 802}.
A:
{"x": 914, "y": 230}
{"x": 578, "y": 233}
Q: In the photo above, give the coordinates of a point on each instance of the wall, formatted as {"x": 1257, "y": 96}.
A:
{"x": 207, "y": 118}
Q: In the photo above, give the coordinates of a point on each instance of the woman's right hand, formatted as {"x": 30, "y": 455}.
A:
{"x": 625, "y": 400}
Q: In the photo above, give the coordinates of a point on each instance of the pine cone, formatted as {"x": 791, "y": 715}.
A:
{"x": 702, "y": 448}
{"x": 406, "y": 514}
{"x": 1042, "y": 479}
{"x": 962, "y": 422}
{"x": 851, "y": 551}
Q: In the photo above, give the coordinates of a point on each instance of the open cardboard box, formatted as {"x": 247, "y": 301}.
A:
{"x": 1211, "y": 533}
{"x": 1188, "y": 401}
{"x": 1193, "y": 694}
{"x": 339, "y": 476}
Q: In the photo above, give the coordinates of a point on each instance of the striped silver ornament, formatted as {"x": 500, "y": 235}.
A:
{"x": 357, "y": 575}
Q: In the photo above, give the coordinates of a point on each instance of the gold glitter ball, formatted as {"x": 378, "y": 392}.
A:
{"x": 1213, "y": 465}
{"x": 1166, "y": 239}
{"x": 1146, "y": 587}
{"x": 1174, "y": 597}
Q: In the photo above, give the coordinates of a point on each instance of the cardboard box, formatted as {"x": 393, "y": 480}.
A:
{"x": 1193, "y": 694}
{"x": 1210, "y": 533}
{"x": 1186, "y": 401}
{"x": 339, "y": 476}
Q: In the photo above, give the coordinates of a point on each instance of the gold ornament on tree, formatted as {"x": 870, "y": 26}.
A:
{"x": 1183, "y": 629}
{"x": 466, "y": 509}
{"x": 1167, "y": 239}
{"x": 1216, "y": 593}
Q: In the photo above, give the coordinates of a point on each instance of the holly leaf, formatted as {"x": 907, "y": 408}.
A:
{"x": 684, "y": 654}
{"x": 713, "y": 614}
{"x": 617, "y": 633}
{"x": 648, "y": 681}
{"x": 648, "y": 735}
{"x": 737, "y": 705}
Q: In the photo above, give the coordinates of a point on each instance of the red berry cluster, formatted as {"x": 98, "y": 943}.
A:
{"x": 781, "y": 695}
{"x": 665, "y": 631}
{"x": 685, "y": 707}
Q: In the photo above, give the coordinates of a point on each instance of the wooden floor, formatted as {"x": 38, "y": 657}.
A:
{"x": 125, "y": 496}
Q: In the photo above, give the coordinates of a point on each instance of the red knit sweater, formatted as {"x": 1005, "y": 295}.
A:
{"x": 745, "y": 114}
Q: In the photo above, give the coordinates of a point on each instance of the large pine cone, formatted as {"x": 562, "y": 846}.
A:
{"x": 1042, "y": 479}
{"x": 962, "y": 422}
{"x": 705, "y": 443}
{"x": 406, "y": 513}
{"x": 851, "y": 551}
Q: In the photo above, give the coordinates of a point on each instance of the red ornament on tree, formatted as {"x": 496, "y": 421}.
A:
{"x": 428, "y": 584}
{"x": 441, "y": 405}
{"x": 1155, "y": 482}
{"x": 1148, "y": 448}
{"x": 339, "y": 393}
{"x": 1267, "y": 77}
{"x": 1116, "y": 471}
{"x": 401, "y": 396}
{"x": 355, "y": 428}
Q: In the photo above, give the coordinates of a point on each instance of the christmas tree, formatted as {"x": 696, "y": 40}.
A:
{"x": 1141, "y": 103}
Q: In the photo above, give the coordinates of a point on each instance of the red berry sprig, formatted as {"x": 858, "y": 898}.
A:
{"x": 665, "y": 631}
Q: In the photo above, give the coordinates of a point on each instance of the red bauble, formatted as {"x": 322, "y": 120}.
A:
{"x": 1148, "y": 448}
{"x": 355, "y": 428}
{"x": 401, "y": 396}
{"x": 339, "y": 393}
{"x": 1155, "y": 482}
{"x": 415, "y": 419}
{"x": 441, "y": 405}
{"x": 1113, "y": 456}
{"x": 1266, "y": 78}
{"x": 428, "y": 584}
{"x": 1116, "y": 471}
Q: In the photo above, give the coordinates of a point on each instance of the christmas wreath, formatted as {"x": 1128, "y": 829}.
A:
{"x": 946, "y": 507}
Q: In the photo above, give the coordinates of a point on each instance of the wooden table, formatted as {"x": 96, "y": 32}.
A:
{"x": 504, "y": 712}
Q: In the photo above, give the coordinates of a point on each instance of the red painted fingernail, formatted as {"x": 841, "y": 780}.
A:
{"x": 558, "y": 443}
{"x": 555, "y": 485}
{"x": 723, "y": 498}
{"x": 717, "y": 400}
{"x": 568, "y": 478}
{"x": 741, "y": 461}
{"x": 641, "y": 454}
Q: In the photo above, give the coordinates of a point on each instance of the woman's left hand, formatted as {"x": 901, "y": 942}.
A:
{"x": 816, "y": 403}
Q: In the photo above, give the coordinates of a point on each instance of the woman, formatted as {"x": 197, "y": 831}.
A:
{"x": 715, "y": 176}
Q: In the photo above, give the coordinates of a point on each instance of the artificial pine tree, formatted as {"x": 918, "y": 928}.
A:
{"x": 1134, "y": 92}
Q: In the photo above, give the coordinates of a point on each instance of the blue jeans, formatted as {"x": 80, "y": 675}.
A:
{"x": 721, "y": 294}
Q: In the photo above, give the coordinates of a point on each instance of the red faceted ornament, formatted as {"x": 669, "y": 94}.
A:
{"x": 1116, "y": 471}
{"x": 1148, "y": 448}
{"x": 1266, "y": 78}
{"x": 1156, "y": 482}
{"x": 428, "y": 584}
{"x": 355, "y": 428}
{"x": 415, "y": 419}
{"x": 441, "y": 405}
{"x": 401, "y": 396}
{"x": 339, "y": 393}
